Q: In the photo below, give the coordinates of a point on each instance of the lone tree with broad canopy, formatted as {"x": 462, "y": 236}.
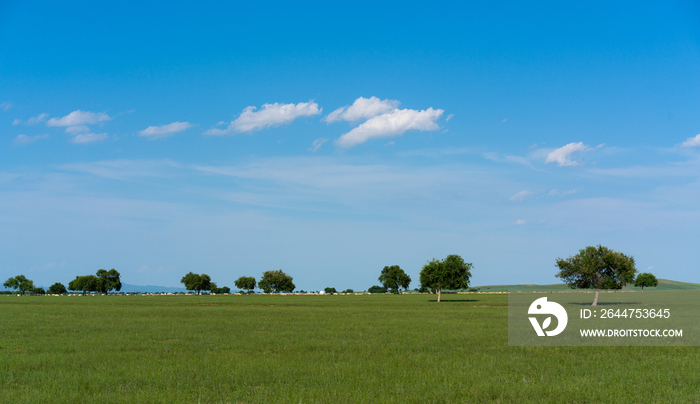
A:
{"x": 245, "y": 283}
{"x": 109, "y": 280}
{"x": 21, "y": 283}
{"x": 276, "y": 281}
{"x": 57, "y": 289}
{"x": 393, "y": 278}
{"x": 597, "y": 268}
{"x": 450, "y": 273}
{"x": 646, "y": 279}
{"x": 196, "y": 282}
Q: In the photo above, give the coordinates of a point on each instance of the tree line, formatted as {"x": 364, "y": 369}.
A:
{"x": 598, "y": 268}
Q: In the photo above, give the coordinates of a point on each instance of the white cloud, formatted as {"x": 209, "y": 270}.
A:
{"x": 22, "y": 140}
{"x": 520, "y": 222}
{"x": 6, "y": 105}
{"x": 692, "y": 142}
{"x": 77, "y": 129}
{"x": 85, "y": 138}
{"x": 562, "y": 155}
{"x": 362, "y": 108}
{"x": 522, "y": 195}
{"x": 33, "y": 120}
{"x": 450, "y": 116}
{"x": 392, "y": 124}
{"x": 270, "y": 115}
{"x": 157, "y": 132}
{"x": 317, "y": 144}
{"x": 79, "y": 117}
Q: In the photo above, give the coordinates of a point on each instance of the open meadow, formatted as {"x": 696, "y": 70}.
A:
{"x": 312, "y": 349}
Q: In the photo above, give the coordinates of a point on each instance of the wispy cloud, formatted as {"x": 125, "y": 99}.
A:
{"x": 362, "y": 108}
{"x": 692, "y": 142}
{"x": 79, "y": 118}
{"x": 158, "y": 132}
{"x": 270, "y": 115}
{"x": 563, "y": 155}
{"x": 23, "y": 140}
{"x": 86, "y": 138}
{"x": 123, "y": 169}
{"x": 6, "y": 105}
{"x": 392, "y": 124}
{"x": 522, "y": 195}
{"x": 33, "y": 120}
{"x": 520, "y": 222}
{"x": 317, "y": 144}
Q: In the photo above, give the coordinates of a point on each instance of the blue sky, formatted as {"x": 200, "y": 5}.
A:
{"x": 331, "y": 140}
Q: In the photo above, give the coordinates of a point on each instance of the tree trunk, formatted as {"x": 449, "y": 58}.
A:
{"x": 595, "y": 301}
{"x": 438, "y": 295}
{"x": 642, "y": 288}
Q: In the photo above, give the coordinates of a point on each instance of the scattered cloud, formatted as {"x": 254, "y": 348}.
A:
{"x": 563, "y": 155}
{"x": 77, "y": 129}
{"x": 23, "y": 140}
{"x": 692, "y": 142}
{"x": 450, "y": 116}
{"x": 392, "y": 124}
{"x": 79, "y": 117}
{"x": 6, "y": 105}
{"x": 317, "y": 144}
{"x": 85, "y": 138}
{"x": 362, "y": 108}
{"x": 520, "y": 222}
{"x": 270, "y": 115}
{"x": 562, "y": 193}
{"x": 158, "y": 132}
{"x": 33, "y": 120}
{"x": 522, "y": 195}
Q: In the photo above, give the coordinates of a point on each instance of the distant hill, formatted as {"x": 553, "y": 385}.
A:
{"x": 664, "y": 284}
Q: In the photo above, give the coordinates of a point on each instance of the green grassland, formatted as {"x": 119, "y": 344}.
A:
{"x": 664, "y": 284}
{"x": 312, "y": 349}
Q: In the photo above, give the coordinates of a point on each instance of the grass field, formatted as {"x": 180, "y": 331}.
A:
{"x": 312, "y": 349}
{"x": 664, "y": 284}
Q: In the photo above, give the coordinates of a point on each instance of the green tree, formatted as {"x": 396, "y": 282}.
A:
{"x": 597, "y": 268}
{"x": 39, "y": 291}
{"x": 393, "y": 278}
{"x": 246, "y": 283}
{"x": 330, "y": 290}
{"x": 19, "y": 282}
{"x": 197, "y": 282}
{"x": 646, "y": 279}
{"x": 86, "y": 283}
{"x": 57, "y": 289}
{"x": 377, "y": 289}
{"x": 276, "y": 281}
{"x": 450, "y": 273}
{"x": 109, "y": 280}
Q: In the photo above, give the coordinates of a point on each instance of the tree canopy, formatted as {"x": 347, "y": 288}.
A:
{"x": 276, "y": 281}
{"x": 57, "y": 289}
{"x": 377, "y": 289}
{"x": 450, "y": 273}
{"x": 597, "y": 268}
{"x": 86, "y": 283}
{"x": 196, "y": 282}
{"x": 19, "y": 282}
{"x": 246, "y": 283}
{"x": 104, "y": 282}
{"x": 109, "y": 280}
{"x": 646, "y": 279}
{"x": 393, "y": 278}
